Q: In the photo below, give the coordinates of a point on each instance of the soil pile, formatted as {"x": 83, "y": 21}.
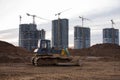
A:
{"x": 11, "y": 53}
{"x": 100, "y": 50}
{"x": 105, "y": 50}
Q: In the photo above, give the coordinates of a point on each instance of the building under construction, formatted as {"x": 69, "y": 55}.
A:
{"x": 111, "y": 35}
{"x": 29, "y": 36}
{"x": 81, "y": 37}
{"x": 60, "y": 30}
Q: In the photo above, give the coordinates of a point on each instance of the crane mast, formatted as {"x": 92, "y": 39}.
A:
{"x": 113, "y": 32}
{"x": 83, "y": 20}
{"x": 59, "y": 28}
{"x": 83, "y": 33}
{"x": 20, "y": 17}
{"x": 33, "y": 16}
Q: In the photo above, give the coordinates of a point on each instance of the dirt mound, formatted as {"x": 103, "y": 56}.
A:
{"x": 11, "y": 53}
{"x": 106, "y": 46}
{"x": 6, "y": 47}
{"x": 105, "y": 50}
{"x": 100, "y": 50}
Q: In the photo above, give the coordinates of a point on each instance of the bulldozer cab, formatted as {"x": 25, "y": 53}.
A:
{"x": 44, "y": 47}
{"x": 45, "y": 44}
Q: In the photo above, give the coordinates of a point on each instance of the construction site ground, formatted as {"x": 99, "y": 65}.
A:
{"x": 99, "y": 62}
{"x": 90, "y": 70}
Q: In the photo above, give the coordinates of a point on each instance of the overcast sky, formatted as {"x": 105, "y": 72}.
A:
{"x": 100, "y": 12}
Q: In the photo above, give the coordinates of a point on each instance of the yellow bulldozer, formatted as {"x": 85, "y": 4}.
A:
{"x": 45, "y": 55}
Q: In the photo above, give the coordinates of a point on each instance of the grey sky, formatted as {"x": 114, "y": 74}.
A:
{"x": 100, "y": 12}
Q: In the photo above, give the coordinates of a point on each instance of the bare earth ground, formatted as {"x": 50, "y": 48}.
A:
{"x": 90, "y": 70}
{"x": 14, "y": 64}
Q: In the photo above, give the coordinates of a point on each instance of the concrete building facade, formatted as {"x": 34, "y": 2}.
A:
{"x": 111, "y": 35}
{"x": 60, "y": 31}
{"x": 29, "y": 36}
{"x": 81, "y": 37}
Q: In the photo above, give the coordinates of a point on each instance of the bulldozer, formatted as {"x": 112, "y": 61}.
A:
{"x": 46, "y": 55}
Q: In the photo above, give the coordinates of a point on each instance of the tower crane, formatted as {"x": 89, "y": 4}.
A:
{"x": 20, "y": 17}
{"x": 83, "y": 20}
{"x": 33, "y": 16}
{"x": 59, "y": 28}
{"x": 83, "y": 32}
{"x": 113, "y": 32}
{"x": 58, "y": 14}
{"x": 112, "y": 23}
